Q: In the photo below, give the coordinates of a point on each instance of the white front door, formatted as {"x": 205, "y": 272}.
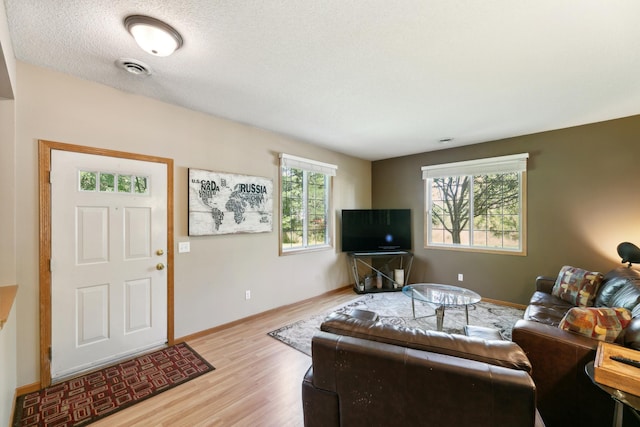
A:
{"x": 108, "y": 253}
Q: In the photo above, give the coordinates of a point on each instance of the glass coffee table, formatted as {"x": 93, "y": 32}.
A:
{"x": 441, "y": 295}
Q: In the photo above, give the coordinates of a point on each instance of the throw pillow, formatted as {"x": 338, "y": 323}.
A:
{"x": 577, "y": 286}
{"x": 601, "y": 323}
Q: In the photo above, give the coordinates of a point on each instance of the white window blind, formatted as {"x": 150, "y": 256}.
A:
{"x": 490, "y": 165}
{"x": 289, "y": 161}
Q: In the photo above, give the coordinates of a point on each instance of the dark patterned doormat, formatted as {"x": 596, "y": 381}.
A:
{"x": 83, "y": 400}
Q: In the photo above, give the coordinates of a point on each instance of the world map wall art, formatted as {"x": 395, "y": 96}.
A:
{"x": 224, "y": 203}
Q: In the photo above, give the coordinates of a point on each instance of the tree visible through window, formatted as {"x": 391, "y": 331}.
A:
{"x": 476, "y": 210}
{"x": 305, "y": 199}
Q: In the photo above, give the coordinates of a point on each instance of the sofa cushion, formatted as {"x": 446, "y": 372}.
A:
{"x": 601, "y": 323}
{"x": 482, "y": 332}
{"x": 547, "y": 300}
{"x": 577, "y": 286}
{"x": 498, "y": 353}
{"x": 632, "y": 334}
{"x": 544, "y": 315}
{"x": 620, "y": 288}
{"x": 546, "y": 308}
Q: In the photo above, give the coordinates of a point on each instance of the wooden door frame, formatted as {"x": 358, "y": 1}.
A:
{"x": 44, "y": 170}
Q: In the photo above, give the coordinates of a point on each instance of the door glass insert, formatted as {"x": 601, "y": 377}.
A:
{"x": 124, "y": 183}
{"x": 88, "y": 181}
{"x": 140, "y": 184}
{"x": 109, "y": 182}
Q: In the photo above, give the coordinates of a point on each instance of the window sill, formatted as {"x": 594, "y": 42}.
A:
{"x": 7, "y": 297}
{"x": 305, "y": 250}
{"x": 485, "y": 250}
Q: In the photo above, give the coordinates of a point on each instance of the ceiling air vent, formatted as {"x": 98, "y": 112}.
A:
{"x": 134, "y": 66}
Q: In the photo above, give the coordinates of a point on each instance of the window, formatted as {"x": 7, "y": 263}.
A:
{"x": 108, "y": 182}
{"x": 305, "y": 196}
{"x": 477, "y": 204}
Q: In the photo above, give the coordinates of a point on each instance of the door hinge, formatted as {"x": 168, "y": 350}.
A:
{"x": 50, "y": 266}
{"x": 49, "y": 354}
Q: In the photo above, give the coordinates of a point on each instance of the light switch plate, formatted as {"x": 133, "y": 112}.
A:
{"x": 184, "y": 247}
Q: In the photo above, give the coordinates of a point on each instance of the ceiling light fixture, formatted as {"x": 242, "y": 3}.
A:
{"x": 152, "y": 35}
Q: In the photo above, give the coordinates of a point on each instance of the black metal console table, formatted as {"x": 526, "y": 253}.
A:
{"x": 366, "y": 267}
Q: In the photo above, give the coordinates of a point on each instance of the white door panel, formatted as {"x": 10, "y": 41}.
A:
{"x": 138, "y": 303}
{"x": 92, "y": 234}
{"x": 108, "y": 297}
{"x": 137, "y": 233}
{"x": 92, "y": 316}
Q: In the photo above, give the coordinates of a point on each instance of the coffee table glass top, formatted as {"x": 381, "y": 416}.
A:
{"x": 441, "y": 295}
{"x": 444, "y": 295}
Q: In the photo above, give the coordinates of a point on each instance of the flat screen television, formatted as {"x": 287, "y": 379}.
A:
{"x": 371, "y": 230}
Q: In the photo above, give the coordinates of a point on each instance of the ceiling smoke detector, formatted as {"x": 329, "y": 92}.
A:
{"x": 134, "y": 66}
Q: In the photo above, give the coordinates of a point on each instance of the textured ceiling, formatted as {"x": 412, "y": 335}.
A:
{"x": 371, "y": 78}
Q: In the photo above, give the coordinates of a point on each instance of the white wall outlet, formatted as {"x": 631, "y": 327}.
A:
{"x": 184, "y": 247}
{"x": 460, "y": 277}
{"x": 247, "y": 295}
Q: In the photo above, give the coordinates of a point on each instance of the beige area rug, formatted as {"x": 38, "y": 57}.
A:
{"x": 395, "y": 308}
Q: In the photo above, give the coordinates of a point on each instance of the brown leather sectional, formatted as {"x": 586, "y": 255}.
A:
{"x": 365, "y": 372}
{"x": 566, "y": 396}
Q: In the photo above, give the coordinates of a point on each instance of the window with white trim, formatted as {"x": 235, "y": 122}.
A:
{"x": 477, "y": 204}
{"x": 305, "y": 199}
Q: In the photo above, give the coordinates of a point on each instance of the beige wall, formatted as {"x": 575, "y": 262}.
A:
{"x": 8, "y": 362}
{"x": 8, "y": 334}
{"x": 210, "y": 282}
{"x": 8, "y": 350}
{"x": 583, "y": 199}
{"x": 7, "y": 194}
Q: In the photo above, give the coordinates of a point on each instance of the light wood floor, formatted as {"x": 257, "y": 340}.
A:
{"x": 257, "y": 381}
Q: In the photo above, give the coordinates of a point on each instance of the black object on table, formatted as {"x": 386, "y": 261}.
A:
{"x": 626, "y": 361}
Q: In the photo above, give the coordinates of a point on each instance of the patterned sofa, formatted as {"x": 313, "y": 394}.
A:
{"x": 565, "y": 320}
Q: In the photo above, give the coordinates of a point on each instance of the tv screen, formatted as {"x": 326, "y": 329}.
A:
{"x": 370, "y": 230}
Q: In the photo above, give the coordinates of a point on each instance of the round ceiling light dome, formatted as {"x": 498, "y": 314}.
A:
{"x": 153, "y": 35}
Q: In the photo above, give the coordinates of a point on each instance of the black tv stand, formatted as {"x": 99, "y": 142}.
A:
{"x": 366, "y": 266}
